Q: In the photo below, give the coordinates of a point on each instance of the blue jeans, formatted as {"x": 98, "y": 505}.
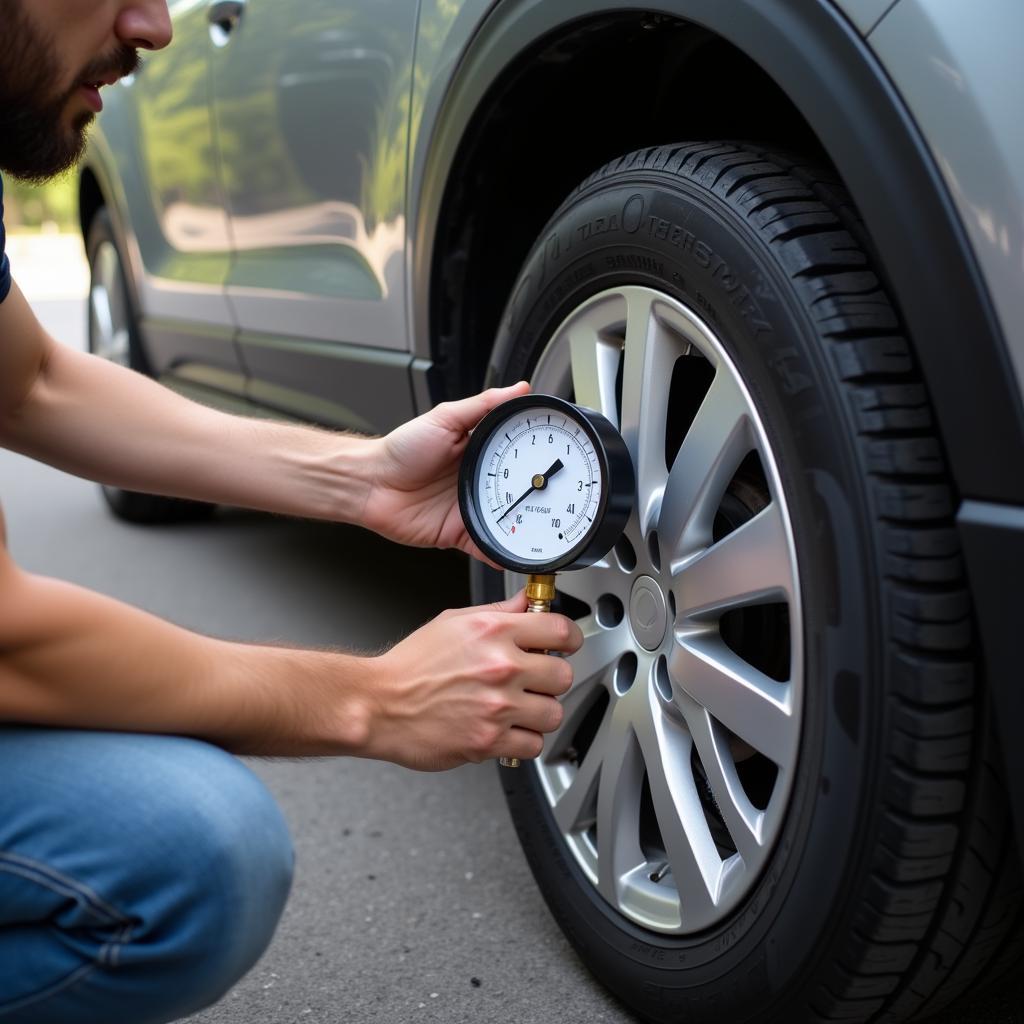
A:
{"x": 140, "y": 876}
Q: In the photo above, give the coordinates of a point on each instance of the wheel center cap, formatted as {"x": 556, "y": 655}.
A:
{"x": 647, "y": 613}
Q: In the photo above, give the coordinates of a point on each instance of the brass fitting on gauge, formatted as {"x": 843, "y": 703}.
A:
{"x": 540, "y": 592}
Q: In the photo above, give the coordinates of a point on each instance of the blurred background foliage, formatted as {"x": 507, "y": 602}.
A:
{"x": 49, "y": 206}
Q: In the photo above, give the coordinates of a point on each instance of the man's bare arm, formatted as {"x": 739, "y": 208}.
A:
{"x": 106, "y": 423}
{"x": 71, "y": 657}
{"x": 462, "y": 688}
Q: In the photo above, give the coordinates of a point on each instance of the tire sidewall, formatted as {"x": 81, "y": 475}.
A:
{"x": 101, "y": 230}
{"x": 674, "y": 237}
{"x": 133, "y": 506}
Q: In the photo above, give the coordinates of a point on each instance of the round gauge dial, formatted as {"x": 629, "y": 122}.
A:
{"x": 545, "y": 484}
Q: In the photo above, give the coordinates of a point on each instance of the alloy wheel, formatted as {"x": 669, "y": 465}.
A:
{"x": 109, "y": 318}
{"x": 670, "y": 774}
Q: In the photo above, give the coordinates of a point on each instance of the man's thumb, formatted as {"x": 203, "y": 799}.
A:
{"x": 517, "y": 603}
{"x": 467, "y": 413}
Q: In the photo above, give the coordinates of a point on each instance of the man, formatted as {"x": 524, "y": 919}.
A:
{"x": 142, "y": 867}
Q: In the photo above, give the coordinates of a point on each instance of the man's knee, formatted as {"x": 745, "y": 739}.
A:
{"x": 165, "y": 860}
{"x": 218, "y": 875}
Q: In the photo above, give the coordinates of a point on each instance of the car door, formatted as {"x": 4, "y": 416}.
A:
{"x": 177, "y": 210}
{"x": 311, "y": 106}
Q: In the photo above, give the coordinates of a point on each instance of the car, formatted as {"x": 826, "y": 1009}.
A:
{"x": 778, "y": 245}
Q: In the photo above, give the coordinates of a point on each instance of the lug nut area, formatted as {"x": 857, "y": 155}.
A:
{"x": 625, "y": 672}
{"x": 609, "y": 611}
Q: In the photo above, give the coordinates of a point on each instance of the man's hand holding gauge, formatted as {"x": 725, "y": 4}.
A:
{"x": 471, "y": 684}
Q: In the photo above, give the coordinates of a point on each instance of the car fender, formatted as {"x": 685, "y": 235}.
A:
{"x": 829, "y": 72}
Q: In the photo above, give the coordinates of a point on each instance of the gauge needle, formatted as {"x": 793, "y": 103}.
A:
{"x": 538, "y": 482}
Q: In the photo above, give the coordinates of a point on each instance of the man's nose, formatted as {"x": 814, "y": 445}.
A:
{"x": 144, "y": 24}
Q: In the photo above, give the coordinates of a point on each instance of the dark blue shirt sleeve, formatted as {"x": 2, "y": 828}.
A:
{"x": 5, "y": 266}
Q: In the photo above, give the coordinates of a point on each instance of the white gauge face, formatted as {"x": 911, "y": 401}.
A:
{"x": 539, "y": 485}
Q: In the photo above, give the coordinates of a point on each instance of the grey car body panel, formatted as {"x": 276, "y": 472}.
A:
{"x": 336, "y": 385}
{"x": 152, "y": 155}
{"x": 178, "y": 214}
{"x": 226, "y": 265}
{"x": 954, "y": 65}
{"x": 865, "y": 14}
{"x": 993, "y": 544}
{"x": 312, "y": 124}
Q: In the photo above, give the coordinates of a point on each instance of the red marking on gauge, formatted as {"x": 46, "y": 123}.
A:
{"x": 513, "y": 529}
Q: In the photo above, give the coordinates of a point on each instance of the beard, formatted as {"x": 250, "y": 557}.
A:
{"x": 36, "y": 143}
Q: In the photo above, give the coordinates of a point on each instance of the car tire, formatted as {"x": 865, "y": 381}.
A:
{"x": 884, "y": 883}
{"x": 114, "y": 335}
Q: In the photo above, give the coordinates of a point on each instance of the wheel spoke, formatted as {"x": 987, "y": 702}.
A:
{"x": 118, "y": 351}
{"x": 747, "y": 702}
{"x": 575, "y": 705}
{"x": 749, "y": 565}
{"x": 650, "y": 352}
{"x": 576, "y": 807}
{"x": 595, "y": 365}
{"x": 588, "y": 584}
{"x": 618, "y": 806}
{"x": 601, "y": 649}
{"x": 714, "y": 446}
{"x": 108, "y": 309}
{"x": 743, "y": 820}
{"x": 115, "y": 289}
{"x": 695, "y": 861}
{"x": 99, "y": 306}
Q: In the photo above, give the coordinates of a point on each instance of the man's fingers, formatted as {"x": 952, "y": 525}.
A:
{"x": 547, "y": 674}
{"x": 466, "y": 413}
{"x": 473, "y": 551}
{"x": 516, "y": 605}
{"x": 547, "y": 632}
{"x": 538, "y": 713}
{"x": 522, "y": 743}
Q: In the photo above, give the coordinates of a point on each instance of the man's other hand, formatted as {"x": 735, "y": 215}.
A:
{"x": 469, "y": 686}
{"x": 413, "y": 497}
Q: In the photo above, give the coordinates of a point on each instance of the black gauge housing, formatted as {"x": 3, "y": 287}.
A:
{"x": 614, "y": 509}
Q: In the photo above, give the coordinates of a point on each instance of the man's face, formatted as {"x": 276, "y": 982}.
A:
{"x": 55, "y": 56}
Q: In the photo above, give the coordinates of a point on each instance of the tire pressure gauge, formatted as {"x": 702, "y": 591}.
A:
{"x": 545, "y": 486}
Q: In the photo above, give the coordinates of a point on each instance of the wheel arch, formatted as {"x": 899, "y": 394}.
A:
{"x": 480, "y": 200}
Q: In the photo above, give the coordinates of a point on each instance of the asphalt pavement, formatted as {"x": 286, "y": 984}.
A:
{"x": 412, "y": 900}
